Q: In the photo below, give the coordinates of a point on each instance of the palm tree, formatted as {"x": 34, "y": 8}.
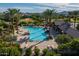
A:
{"x": 48, "y": 15}
{"x": 74, "y": 15}
{"x": 1, "y": 28}
{"x": 13, "y": 15}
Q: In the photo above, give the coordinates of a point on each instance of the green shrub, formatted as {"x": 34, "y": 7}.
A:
{"x": 28, "y": 52}
{"x": 71, "y": 48}
{"x": 77, "y": 27}
{"x": 14, "y": 51}
{"x": 9, "y": 51}
{"x": 3, "y": 51}
{"x": 36, "y": 51}
{"x": 63, "y": 38}
{"x": 44, "y": 51}
{"x": 50, "y": 53}
{"x": 22, "y": 23}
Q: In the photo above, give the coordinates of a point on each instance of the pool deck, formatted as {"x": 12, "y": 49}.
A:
{"x": 42, "y": 45}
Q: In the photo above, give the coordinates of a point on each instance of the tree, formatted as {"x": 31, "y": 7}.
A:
{"x": 63, "y": 38}
{"x": 37, "y": 18}
{"x": 4, "y": 32}
{"x": 48, "y": 15}
{"x": 13, "y": 15}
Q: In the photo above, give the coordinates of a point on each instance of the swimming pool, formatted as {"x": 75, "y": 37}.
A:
{"x": 36, "y": 33}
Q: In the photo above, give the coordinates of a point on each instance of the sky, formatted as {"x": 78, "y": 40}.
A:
{"x": 39, "y": 7}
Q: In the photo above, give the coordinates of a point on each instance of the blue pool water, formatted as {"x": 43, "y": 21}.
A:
{"x": 36, "y": 33}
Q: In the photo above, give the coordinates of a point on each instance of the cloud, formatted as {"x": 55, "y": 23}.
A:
{"x": 40, "y": 7}
{"x": 60, "y": 5}
{"x": 55, "y": 5}
{"x": 22, "y": 9}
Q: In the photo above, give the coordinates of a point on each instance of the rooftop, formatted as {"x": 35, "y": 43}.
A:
{"x": 65, "y": 27}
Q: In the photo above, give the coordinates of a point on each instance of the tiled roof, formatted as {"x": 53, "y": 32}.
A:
{"x": 65, "y": 27}
{"x": 73, "y": 32}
